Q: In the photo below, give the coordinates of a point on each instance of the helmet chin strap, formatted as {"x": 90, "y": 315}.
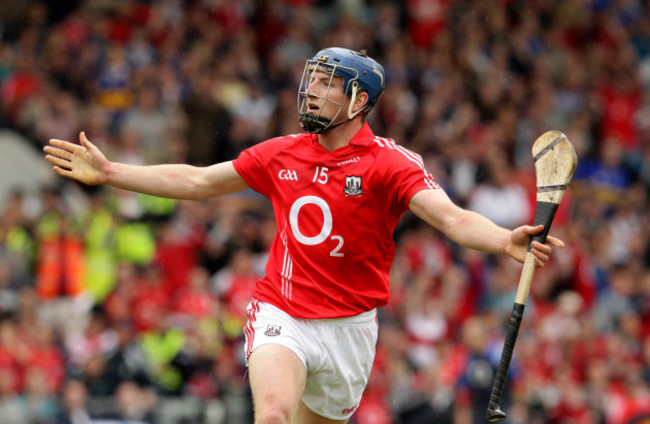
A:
{"x": 321, "y": 125}
{"x": 315, "y": 126}
{"x": 353, "y": 97}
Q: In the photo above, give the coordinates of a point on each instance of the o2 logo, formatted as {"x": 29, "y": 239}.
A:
{"x": 326, "y": 229}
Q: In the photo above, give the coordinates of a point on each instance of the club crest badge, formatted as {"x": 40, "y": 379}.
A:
{"x": 273, "y": 330}
{"x": 353, "y": 186}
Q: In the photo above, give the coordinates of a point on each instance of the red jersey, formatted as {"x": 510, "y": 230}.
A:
{"x": 336, "y": 212}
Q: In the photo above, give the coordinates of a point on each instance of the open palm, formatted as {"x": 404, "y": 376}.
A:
{"x": 83, "y": 162}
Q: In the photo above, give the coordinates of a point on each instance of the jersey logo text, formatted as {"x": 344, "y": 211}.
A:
{"x": 287, "y": 174}
{"x": 345, "y": 162}
{"x": 353, "y": 186}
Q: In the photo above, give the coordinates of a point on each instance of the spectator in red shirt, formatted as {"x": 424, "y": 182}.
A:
{"x": 178, "y": 248}
{"x": 196, "y": 301}
{"x": 47, "y": 357}
{"x": 23, "y": 83}
{"x": 150, "y": 301}
{"x": 235, "y": 283}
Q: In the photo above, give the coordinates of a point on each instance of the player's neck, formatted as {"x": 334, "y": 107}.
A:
{"x": 340, "y": 136}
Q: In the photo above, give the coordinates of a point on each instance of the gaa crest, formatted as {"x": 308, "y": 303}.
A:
{"x": 353, "y": 186}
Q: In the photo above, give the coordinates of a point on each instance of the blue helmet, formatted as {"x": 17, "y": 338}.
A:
{"x": 358, "y": 72}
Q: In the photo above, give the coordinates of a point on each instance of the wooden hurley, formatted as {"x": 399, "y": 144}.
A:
{"x": 555, "y": 162}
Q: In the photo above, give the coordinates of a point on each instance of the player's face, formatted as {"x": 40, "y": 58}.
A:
{"x": 325, "y": 95}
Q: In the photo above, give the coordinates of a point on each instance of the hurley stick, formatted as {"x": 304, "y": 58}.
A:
{"x": 555, "y": 162}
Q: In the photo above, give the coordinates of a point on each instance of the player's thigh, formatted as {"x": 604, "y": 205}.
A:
{"x": 305, "y": 416}
{"x": 277, "y": 378}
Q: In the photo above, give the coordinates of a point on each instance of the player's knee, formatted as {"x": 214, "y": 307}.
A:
{"x": 273, "y": 416}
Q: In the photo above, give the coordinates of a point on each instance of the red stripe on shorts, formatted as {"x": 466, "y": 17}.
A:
{"x": 248, "y": 329}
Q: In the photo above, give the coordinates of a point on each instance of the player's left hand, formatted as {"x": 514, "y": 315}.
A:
{"x": 519, "y": 239}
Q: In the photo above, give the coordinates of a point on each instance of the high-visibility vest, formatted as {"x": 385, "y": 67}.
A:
{"x": 135, "y": 243}
{"x": 60, "y": 267}
{"x": 155, "y": 205}
{"x": 160, "y": 348}
{"x": 101, "y": 263}
{"x": 18, "y": 242}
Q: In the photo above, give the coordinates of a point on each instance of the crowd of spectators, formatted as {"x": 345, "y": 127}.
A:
{"x": 105, "y": 293}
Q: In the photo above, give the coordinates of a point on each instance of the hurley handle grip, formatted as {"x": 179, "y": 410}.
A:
{"x": 544, "y": 213}
{"x": 494, "y": 412}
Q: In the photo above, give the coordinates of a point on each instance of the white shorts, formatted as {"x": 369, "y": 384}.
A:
{"x": 337, "y": 353}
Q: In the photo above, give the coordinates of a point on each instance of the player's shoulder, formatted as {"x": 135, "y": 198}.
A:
{"x": 282, "y": 142}
{"x": 274, "y": 145}
{"x": 289, "y": 138}
{"x": 387, "y": 149}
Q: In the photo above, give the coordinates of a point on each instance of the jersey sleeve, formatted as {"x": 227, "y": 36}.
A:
{"x": 252, "y": 165}
{"x": 406, "y": 175}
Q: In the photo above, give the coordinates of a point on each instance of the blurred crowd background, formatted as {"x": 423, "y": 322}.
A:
{"x": 117, "y": 306}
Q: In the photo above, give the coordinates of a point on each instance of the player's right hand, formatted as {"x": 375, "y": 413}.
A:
{"x": 83, "y": 162}
{"x": 518, "y": 246}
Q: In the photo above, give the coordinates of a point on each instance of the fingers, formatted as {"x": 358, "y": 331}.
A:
{"x": 556, "y": 242}
{"x": 541, "y": 252}
{"x": 530, "y": 230}
{"x": 55, "y": 151}
{"x": 62, "y": 172}
{"x": 540, "y": 258}
{"x": 84, "y": 140}
{"x": 59, "y": 162}
{"x": 84, "y": 144}
{"x": 60, "y": 153}
{"x": 543, "y": 248}
{"x": 65, "y": 145}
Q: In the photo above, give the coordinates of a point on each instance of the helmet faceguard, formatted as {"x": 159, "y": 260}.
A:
{"x": 358, "y": 71}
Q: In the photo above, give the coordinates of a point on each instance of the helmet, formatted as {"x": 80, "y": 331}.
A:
{"x": 358, "y": 72}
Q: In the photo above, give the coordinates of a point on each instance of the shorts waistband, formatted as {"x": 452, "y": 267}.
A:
{"x": 363, "y": 318}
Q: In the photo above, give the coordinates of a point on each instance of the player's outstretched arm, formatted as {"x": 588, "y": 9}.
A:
{"x": 475, "y": 231}
{"x": 85, "y": 163}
